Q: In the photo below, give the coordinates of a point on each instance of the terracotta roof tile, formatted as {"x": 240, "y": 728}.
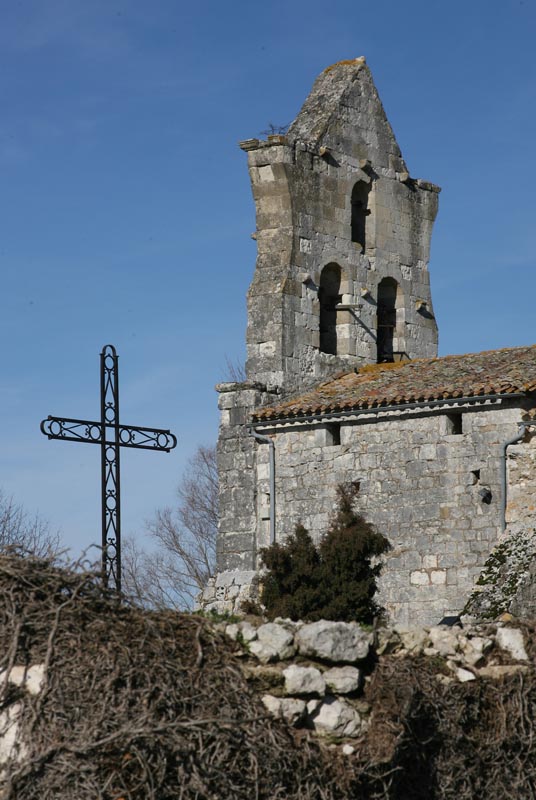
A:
{"x": 493, "y": 372}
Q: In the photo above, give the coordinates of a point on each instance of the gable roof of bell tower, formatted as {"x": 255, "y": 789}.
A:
{"x": 344, "y": 114}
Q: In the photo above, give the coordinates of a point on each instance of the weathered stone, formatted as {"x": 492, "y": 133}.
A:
{"x": 312, "y": 705}
{"x": 273, "y": 643}
{"x": 511, "y": 640}
{"x": 304, "y": 680}
{"x": 30, "y": 678}
{"x": 11, "y": 746}
{"x": 412, "y": 639}
{"x": 343, "y": 680}
{"x": 500, "y": 670}
{"x": 473, "y": 649}
{"x": 241, "y": 631}
{"x": 444, "y": 641}
{"x": 288, "y": 624}
{"x": 334, "y": 641}
{"x": 387, "y": 641}
{"x": 464, "y": 675}
{"x": 337, "y": 718}
{"x": 290, "y": 709}
{"x": 273, "y": 704}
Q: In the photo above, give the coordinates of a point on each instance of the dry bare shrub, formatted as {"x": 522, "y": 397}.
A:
{"x": 145, "y": 705}
{"x": 173, "y": 573}
{"x": 456, "y": 741}
{"x": 25, "y": 532}
{"x": 137, "y": 704}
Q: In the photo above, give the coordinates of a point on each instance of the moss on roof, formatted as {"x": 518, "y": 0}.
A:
{"x": 492, "y": 372}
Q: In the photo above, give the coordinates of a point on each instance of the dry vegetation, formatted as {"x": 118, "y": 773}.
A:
{"x": 140, "y": 705}
{"x": 137, "y": 704}
{"x": 458, "y": 741}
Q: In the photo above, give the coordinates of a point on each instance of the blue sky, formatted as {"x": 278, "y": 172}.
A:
{"x": 126, "y": 211}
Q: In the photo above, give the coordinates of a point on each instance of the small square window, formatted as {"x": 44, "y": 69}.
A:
{"x": 333, "y": 433}
{"x": 454, "y": 423}
{"x": 328, "y": 434}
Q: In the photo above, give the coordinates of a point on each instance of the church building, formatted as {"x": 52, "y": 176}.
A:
{"x": 343, "y": 380}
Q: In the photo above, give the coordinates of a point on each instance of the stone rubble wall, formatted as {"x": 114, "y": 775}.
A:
{"x": 313, "y": 675}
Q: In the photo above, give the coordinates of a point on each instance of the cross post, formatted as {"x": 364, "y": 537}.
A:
{"x": 111, "y": 435}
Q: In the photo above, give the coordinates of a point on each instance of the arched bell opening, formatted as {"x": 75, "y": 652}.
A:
{"x": 329, "y": 297}
{"x": 389, "y": 336}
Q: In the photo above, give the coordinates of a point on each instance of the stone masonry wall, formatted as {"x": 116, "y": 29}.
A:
{"x": 521, "y": 463}
{"x": 302, "y": 185}
{"x": 508, "y": 581}
{"x": 435, "y": 495}
{"x": 237, "y": 472}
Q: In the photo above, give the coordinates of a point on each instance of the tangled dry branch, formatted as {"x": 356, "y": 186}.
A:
{"x": 448, "y": 740}
{"x": 136, "y": 704}
{"x": 139, "y": 705}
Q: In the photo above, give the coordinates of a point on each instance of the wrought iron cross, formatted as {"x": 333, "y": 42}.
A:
{"x": 111, "y": 435}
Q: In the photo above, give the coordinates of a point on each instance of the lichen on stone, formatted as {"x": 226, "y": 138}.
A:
{"x": 348, "y": 62}
{"x": 505, "y": 573}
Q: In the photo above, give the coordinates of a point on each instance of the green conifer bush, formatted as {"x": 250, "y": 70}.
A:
{"x": 291, "y": 587}
{"x": 335, "y": 580}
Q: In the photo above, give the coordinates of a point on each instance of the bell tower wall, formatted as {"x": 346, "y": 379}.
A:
{"x": 335, "y": 193}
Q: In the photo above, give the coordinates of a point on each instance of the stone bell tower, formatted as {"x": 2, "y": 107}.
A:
{"x": 343, "y": 237}
{"x": 341, "y": 280}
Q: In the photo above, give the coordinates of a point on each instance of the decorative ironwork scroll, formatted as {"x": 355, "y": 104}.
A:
{"x": 111, "y": 435}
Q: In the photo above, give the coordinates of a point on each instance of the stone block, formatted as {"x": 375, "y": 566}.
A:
{"x": 273, "y": 643}
{"x": 336, "y": 718}
{"x": 443, "y": 640}
{"x": 237, "y": 577}
{"x": 343, "y": 680}
{"x": 334, "y": 641}
{"x": 291, "y": 709}
{"x": 438, "y": 576}
{"x": 413, "y": 639}
{"x": 429, "y": 561}
{"x": 304, "y": 680}
{"x": 243, "y": 630}
{"x": 511, "y": 640}
{"x": 464, "y": 675}
{"x": 31, "y": 678}
{"x": 419, "y": 578}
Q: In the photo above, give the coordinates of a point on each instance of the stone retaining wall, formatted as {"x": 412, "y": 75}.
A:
{"x": 313, "y": 675}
